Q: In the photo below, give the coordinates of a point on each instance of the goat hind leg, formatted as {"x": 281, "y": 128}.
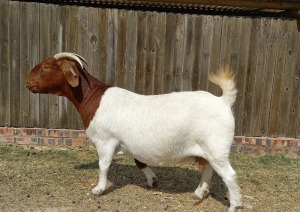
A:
{"x": 226, "y": 172}
{"x": 203, "y": 189}
{"x": 151, "y": 177}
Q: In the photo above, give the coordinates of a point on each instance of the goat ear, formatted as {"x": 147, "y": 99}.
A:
{"x": 71, "y": 73}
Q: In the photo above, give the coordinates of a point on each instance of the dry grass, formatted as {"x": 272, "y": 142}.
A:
{"x": 60, "y": 180}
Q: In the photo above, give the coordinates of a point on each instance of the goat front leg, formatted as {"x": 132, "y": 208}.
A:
{"x": 151, "y": 177}
{"x": 106, "y": 153}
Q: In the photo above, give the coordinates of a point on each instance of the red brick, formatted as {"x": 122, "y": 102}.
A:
{"x": 34, "y": 132}
{"x": 278, "y": 142}
{"x": 77, "y": 134}
{"x": 57, "y": 133}
{"x": 252, "y": 141}
{"x": 27, "y": 140}
{"x": 75, "y": 142}
{"x": 53, "y": 141}
{"x": 7, "y": 131}
{"x": 239, "y": 139}
{"x": 7, "y": 139}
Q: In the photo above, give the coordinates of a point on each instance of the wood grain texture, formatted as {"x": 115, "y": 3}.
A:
{"x": 152, "y": 53}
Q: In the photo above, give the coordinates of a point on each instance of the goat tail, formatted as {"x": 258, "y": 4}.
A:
{"x": 225, "y": 79}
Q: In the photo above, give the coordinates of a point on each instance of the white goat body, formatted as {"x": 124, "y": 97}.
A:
{"x": 169, "y": 128}
{"x": 163, "y": 129}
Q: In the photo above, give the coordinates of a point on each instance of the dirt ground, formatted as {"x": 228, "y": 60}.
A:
{"x": 52, "y": 179}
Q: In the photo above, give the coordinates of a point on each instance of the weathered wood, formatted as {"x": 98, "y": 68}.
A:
{"x": 62, "y": 101}
{"x": 121, "y": 49}
{"x": 152, "y": 53}
{"x": 141, "y": 51}
{"x": 55, "y": 46}
{"x": 275, "y": 116}
{"x": 131, "y": 51}
{"x": 14, "y": 59}
{"x": 160, "y": 32}
{"x": 258, "y": 102}
{"x": 4, "y": 65}
{"x": 99, "y": 27}
{"x": 169, "y": 49}
{"x": 214, "y": 54}
{"x": 250, "y": 87}
{"x": 241, "y": 75}
{"x": 25, "y": 11}
{"x": 112, "y": 22}
{"x": 290, "y": 92}
{"x": 34, "y": 56}
{"x": 45, "y": 41}
{"x": 188, "y": 53}
{"x": 178, "y": 56}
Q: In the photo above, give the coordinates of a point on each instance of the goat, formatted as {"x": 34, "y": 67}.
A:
{"x": 154, "y": 129}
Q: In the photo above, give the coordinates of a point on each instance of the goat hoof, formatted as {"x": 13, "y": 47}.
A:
{"x": 152, "y": 183}
{"x": 201, "y": 194}
{"x": 97, "y": 191}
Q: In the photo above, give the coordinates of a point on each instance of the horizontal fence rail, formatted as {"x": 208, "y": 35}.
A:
{"x": 152, "y": 53}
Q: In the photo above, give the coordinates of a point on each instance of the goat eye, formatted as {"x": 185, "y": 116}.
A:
{"x": 46, "y": 68}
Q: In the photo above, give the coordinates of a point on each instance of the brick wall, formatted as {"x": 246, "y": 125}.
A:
{"x": 76, "y": 138}
{"x": 42, "y": 136}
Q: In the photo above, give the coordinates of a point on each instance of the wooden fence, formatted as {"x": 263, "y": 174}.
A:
{"x": 152, "y": 53}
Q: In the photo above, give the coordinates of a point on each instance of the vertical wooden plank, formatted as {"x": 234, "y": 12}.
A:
{"x": 188, "y": 52}
{"x": 54, "y": 47}
{"x": 112, "y": 46}
{"x": 242, "y": 72}
{"x": 289, "y": 90}
{"x": 178, "y": 54}
{"x": 45, "y": 43}
{"x": 103, "y": 44}
{"x": 4, "y": 64}
{"x": 97, "y": 24}
{"x": 268, "y": 75}
{"x": 35, "y": 58}
{"x": 25, "y": 12}
{"x": 235, "y": 51}
{"x": 72, "y": 45}
{"x": 205, "y": 59}
{"x": 248, "y": 102}
{"x": 274, "y": 121}
{"x": 150, "y": 54}
{"x": 121, "y": 49}
{"x": 196, "y": 64}
{"x": 83, "y": 29}
{"x": 131, "y": 50}
{"x": 294, "y": 116}
{"x": 63, "y": 33}
{"x": 258, "y": 101}
{"x": 214, "y": 54}
{"x": 14, "y": 54}
{"x": 160, "y": 33}
{"x": 141, "y": 51}
{"x": 169, "y": 52}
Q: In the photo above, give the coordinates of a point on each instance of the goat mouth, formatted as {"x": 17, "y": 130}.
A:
{"x": 32, "y": 88}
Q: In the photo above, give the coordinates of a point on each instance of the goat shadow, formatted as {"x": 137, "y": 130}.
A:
{"x": 170, "y": 179}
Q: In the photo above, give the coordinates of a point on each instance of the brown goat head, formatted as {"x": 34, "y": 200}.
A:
{"x": 54, "y": 73}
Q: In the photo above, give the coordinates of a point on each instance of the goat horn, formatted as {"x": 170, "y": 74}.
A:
{"x": 69, "y": 55}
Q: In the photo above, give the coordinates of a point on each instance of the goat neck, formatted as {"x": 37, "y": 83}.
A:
{"x": 86, "y": 96}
